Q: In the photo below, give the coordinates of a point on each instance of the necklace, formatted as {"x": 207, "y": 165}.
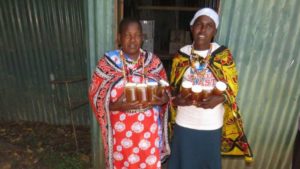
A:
{"x": 126, "y": 70}
{"x": 133, "y": 62}
{"x": 199, "y": 65}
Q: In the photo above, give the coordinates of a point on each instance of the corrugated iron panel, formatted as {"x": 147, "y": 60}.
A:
{"x": 264, "y": 37}
{"x": 41, "y": 40}
{"x": 101, "y": 27}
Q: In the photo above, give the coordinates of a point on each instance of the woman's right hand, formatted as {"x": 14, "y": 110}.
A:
{"x": 183, "y": 100}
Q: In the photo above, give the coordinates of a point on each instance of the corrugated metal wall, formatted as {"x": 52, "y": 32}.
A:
{"x": 264, "y": 37}
{"x": 41, "y": 40}
{"x": 101, "y": 27}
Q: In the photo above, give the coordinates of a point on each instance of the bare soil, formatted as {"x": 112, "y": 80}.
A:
{"x": 27, "y": 145}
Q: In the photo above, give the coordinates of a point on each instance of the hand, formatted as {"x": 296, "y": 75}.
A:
{"x": 183, "y": 101}
{"x": 160, "y": 100}
{"x": 122, "y": 105}
{"x": 211, "y": 101}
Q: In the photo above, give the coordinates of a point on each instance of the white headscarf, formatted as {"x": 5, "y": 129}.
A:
{"x": 207, "y": 12}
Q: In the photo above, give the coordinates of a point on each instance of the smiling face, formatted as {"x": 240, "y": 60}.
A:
{"x": 203, "y": 31}
{"x": 130, "y": 38}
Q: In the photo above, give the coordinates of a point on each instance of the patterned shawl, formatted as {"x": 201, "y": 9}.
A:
{"x": 234, "y": 141}
{"x": 106, "y": 75}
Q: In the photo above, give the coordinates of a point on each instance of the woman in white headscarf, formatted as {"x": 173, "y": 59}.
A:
{"x": 199, "y": 133}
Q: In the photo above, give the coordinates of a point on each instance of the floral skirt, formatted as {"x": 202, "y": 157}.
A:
{"x": 136, "y": 140}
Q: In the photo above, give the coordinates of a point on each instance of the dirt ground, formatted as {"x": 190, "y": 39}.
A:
{"x": 27, "y": 145}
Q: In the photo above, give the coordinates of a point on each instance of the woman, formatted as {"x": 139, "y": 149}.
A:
{"x": 134, "y": 134}
{"x": 199, "y": 130}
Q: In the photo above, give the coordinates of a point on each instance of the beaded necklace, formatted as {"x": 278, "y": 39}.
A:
{"x": 199, "y": 65}
{"x": 126, "y": 70}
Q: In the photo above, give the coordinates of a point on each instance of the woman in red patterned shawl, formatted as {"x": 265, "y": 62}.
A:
{"x": 134, "y": 134}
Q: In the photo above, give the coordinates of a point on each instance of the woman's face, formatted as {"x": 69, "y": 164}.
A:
{"x": 131, "y": 39}
{"x": 203, "y": 31}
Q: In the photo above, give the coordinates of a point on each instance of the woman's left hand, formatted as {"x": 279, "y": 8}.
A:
{"x": 160, "y": 100}
{"x": 122, "y": 105}
{"x": 211, "y": 101}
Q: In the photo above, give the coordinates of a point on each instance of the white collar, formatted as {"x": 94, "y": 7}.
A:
{"x": 188, "y": 48}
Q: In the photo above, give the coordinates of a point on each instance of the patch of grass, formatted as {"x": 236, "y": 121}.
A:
{"x": 55, "y": 160}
